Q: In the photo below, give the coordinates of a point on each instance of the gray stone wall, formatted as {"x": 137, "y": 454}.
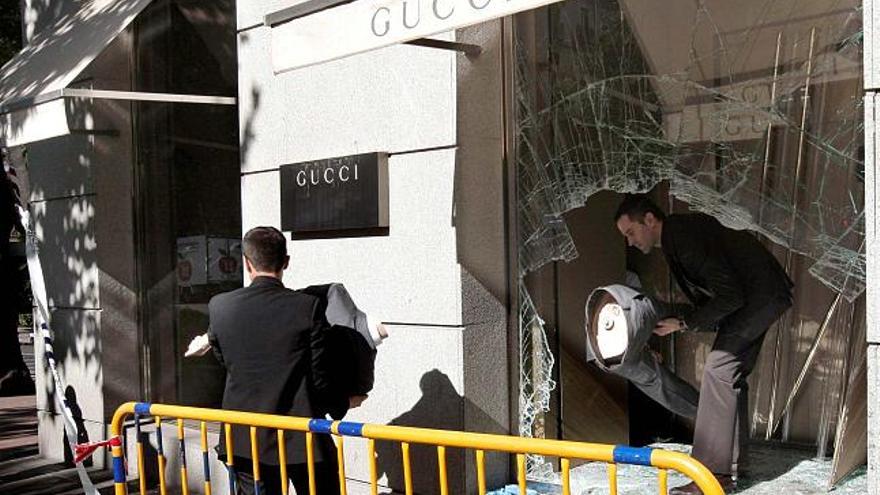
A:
{"x": 80, "y": 192}
{"x": 872, "y": 86}
{"x": 440, "y": 273}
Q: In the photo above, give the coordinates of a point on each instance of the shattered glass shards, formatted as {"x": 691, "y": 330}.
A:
{"x": 535, "y": 381}
{"x": 751, "y": 112}
{"x": 840, "y": 266}
{"x": 770, "y": 145}
{"x": 777, "y": 470}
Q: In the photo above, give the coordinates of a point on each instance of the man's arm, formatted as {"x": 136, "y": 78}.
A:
{"x": 215, "y": 346}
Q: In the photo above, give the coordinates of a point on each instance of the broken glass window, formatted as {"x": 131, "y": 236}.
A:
{"x": 751, "y": 112}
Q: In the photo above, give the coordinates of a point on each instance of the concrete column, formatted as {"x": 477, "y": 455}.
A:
{"x": 872, "y": 86}
{"x": 440, "y": 273}
{"x": 80, "y": 190}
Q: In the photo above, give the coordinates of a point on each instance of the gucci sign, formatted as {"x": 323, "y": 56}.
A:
{"x": 335, "y": 194}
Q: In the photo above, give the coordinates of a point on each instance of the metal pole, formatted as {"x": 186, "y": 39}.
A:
{"x": 468, "y": 49}
{"x": 769, "y": 130}
{"x": 763, "y": 184}
{"x": 670, "y": 290}
{"x": 809, "y": 361}
{"x": 812, "y": 353}
{"x": 771, "y": 418}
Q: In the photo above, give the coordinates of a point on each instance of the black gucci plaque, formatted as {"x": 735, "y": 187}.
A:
{"x": 345, "y": 195}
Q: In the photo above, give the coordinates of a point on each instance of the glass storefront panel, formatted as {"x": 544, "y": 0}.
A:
{"x": 188, "y": 192}
{"x": 750, "y": 112}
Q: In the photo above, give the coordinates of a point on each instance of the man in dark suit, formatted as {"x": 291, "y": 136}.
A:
{"x": 738, "y": 290}
{"x": 272, "y": 342}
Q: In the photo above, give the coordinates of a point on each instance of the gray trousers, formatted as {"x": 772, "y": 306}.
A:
{"x": 659, "y": 383}
{"x": 638, "y": 364}
{"x": 722, "y": 428}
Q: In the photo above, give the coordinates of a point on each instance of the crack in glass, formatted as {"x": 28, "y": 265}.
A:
{"x": 753, "y": 117}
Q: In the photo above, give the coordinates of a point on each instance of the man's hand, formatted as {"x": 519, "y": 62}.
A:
{"x": 356, "y": 400}
{"x": 667, "y": 326}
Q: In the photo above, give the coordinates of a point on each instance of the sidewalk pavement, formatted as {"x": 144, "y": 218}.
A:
{"x": 18, "y": 426}
{"x": 22, "y": 470}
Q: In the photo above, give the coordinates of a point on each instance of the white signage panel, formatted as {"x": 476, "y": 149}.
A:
{"x": 365, "y": 25}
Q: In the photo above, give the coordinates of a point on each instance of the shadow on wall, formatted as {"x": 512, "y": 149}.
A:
{"x": 50, "y": 28}
{"x": 76, "y": 342}
{"x": 40, "y": 14}
{"x": 440, "y": 407}
{"x": 82, "y": 436}
{"x": 247, "y": 132}
{"x": 62, "y": 202}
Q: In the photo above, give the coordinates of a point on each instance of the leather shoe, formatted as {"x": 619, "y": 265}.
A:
{"x": 728, "y": 484}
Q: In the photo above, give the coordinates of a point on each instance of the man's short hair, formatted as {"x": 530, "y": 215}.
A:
{"x": 265, "y": 248}
{"x": 635, "y": 206}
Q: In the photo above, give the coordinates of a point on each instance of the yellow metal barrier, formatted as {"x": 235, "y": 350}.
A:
{"x": 479, "y": 442}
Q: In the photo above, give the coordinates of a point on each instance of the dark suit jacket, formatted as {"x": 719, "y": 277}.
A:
{"x": 354, "y": 357}
{"x": 720, "y": 270}
{"x": 271, "y": 341}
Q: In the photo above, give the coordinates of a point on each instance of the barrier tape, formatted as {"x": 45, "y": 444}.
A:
{"x": 38, "y": 287}
{"x": 84, "y": 450}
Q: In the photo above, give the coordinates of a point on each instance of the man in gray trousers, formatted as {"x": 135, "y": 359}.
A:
{"x": 738, "y": 290}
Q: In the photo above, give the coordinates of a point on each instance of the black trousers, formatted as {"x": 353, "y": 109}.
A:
{"x": 326, "y": 478}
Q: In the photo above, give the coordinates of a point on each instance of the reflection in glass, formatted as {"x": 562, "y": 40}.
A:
{"x": 188, "y": 191}
{"x": 750, "y": 112}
